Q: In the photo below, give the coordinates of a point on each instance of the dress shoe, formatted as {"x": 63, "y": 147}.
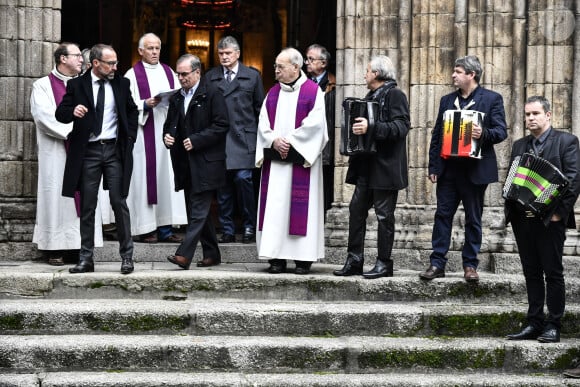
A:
{"x": 180, "y": 261}
{"x": 351, "y": 267}
{"x": 249, "y": 236}
{"x": 572, "y": 373}
{"x": 56, "y": 260}
{"x": 470, "y": 274}
{"x": 227, "y": 238}
{"x": 173, "y": 239}
{"x": 381, "y": 269}
{"x": 151, "y": 238}
{"x": 432, "y": 273}
{"x": 302, "y": 267}
{"x": 277, "y": 266}
{"x": 550, "y": 335}
{"x": 206, "y": 262}
{"x": 528, "y": 333}
{"x": 127, "y": 266}
{"x": 84, "y": 266}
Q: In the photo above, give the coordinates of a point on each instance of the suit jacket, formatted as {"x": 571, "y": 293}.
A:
{"x": 80, "y": 91}
{"x": 206, "y": 124}
{"x": 483, "y": 171}
{"x": 328, "y": 85}
{"x": 387, "y": 168}
{"x": 560, "y": 149}
{"x": 244, "y": 96}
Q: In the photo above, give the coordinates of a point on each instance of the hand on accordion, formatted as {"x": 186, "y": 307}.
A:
{"x": 360, "y": 126}
{"x": 476, "y": 132}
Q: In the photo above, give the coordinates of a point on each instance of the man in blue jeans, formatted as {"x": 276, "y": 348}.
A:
{"x": 243, "y": 91}
{"x": 464, "y": 179}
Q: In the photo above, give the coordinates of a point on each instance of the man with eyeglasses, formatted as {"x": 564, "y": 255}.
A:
{"x": 56, "y": 231}
{"x": 317, "y": 62}
{"x": 154, "y": 204}
{"x": 291, "y": 136}
{"x": 243, "y": 91}
{"x": 195, "y": 133}
{"x": 104, "y": 116}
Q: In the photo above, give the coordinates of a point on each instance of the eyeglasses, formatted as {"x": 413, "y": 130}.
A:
{"x": 309, "y": 59}
{"x": 184, "y": 74}
{"x": 279, "y": 66}
{"x": 110, "y": 63}
{"x": 76, "y": 55}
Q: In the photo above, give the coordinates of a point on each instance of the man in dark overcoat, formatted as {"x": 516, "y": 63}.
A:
{"x": 243, "y": 91}
{"x": 100, "y": 146}
{"x": 195, "y": 132}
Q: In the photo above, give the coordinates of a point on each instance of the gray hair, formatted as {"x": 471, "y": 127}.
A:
{"x": 148, "y": 35}
{"x": 383, "y": 66}
{"x": 324, "y": 54}
{"x": 193, "y": 61}
{"x": 541, "y": 100}
{"x": 295, "y": 56}
{"x": 227, "y": 42}
{"x": 97, "y": 51}
{"x": 470, "y": 64}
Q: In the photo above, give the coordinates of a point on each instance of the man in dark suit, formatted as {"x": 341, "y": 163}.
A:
{"x": 378, "y": 177}
{"x": 101, "y": 144}
{"x": 540, "y": 238}
{"x": 243, "y": 91}
{"x": 462, "y": 179}
{"x": 195, "y": 132}
{"x": 317, "y": 62}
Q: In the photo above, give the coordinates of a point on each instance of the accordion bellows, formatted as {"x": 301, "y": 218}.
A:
{"x": 457, "y": 130}
{"x": 534, "y": 182}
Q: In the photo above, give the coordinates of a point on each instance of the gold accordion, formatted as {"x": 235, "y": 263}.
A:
{"x": 457, "y": 130}
{"x": 534, "y": 182}
{"x": 353, "y": 144}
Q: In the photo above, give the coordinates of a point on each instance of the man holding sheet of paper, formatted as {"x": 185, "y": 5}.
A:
{"x": 155, "y": 206}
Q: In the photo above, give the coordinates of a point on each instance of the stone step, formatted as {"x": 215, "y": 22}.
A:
{"x": 238, "y": 379}
{"x": 364, "y": 354}
{"x": 266, "y": 318}
{"x": 162, "y": 280}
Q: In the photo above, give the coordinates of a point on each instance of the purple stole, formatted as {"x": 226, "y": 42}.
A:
{"x": 149, "y": 129}
{"x": 58, "y": 91}
{"x": 300, "y": 175}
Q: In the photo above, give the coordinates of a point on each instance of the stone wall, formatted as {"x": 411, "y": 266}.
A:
{"x": 526, "y": 47}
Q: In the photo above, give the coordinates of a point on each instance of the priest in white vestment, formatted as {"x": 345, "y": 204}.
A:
{"x": 57, "y": 226}
{"x": 154, "y": 204}
{"x": 291, "y": 135}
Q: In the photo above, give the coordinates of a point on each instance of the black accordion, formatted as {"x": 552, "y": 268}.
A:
{"x": 353, "y": 144}
{"x": 534, "y": 183}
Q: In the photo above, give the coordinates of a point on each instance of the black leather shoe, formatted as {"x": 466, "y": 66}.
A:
{"x": 127, "y": 266}
{"x": 277, "y": 266}
{"x": 432, "y": 273}
{"x": 528, "y": 333}
{"x": 381, "y": 269}
{"x": 227, "y": 238}
{"x": 84, "y": 266}
{"x": 351, "y": 267}
{"x": 249, "y": 236}
{"x": 302, "y": 267}
{"x": 550, "y": 335}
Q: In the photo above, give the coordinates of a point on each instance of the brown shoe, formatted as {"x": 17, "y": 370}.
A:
{"x": 431, "y": 273}
{"x": 206, "y": 262}
{"x": 56, "y": 261}
{"x": 180, "y": 261}
{"x": 470, "y": 274}
{"x": 151, "y": 238}
{"x": 173, "y": 239}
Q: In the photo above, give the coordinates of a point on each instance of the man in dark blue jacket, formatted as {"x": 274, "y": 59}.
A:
{"x": 195, "y": 132}
{"x": 462, "y": 179}
{"x": 540, "y": 238}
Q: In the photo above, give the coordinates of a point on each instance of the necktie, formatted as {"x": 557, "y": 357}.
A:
{"x": 229, "y": 75}
{"x": 315, "y": 79}
{"x": 99, "y": 108}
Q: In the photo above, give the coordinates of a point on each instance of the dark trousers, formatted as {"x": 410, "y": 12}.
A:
{"x": 328, "y": 185}
{"x": 541, "y": 250}
{"x": 450, "y": 192}
{"x": 101, "y": 160}
{"x": 199, "y": 227}
{"x": 240, "y": 184}
{"x": 384, "y": 202}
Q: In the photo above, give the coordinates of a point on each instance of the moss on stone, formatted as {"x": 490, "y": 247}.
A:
{"x": 436, "y": 358}
{"x": 475, "y": 324}
{"x": 96, "y": 285}
{"x": 12, "y": 322}
{"x": 141, "y": 323}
